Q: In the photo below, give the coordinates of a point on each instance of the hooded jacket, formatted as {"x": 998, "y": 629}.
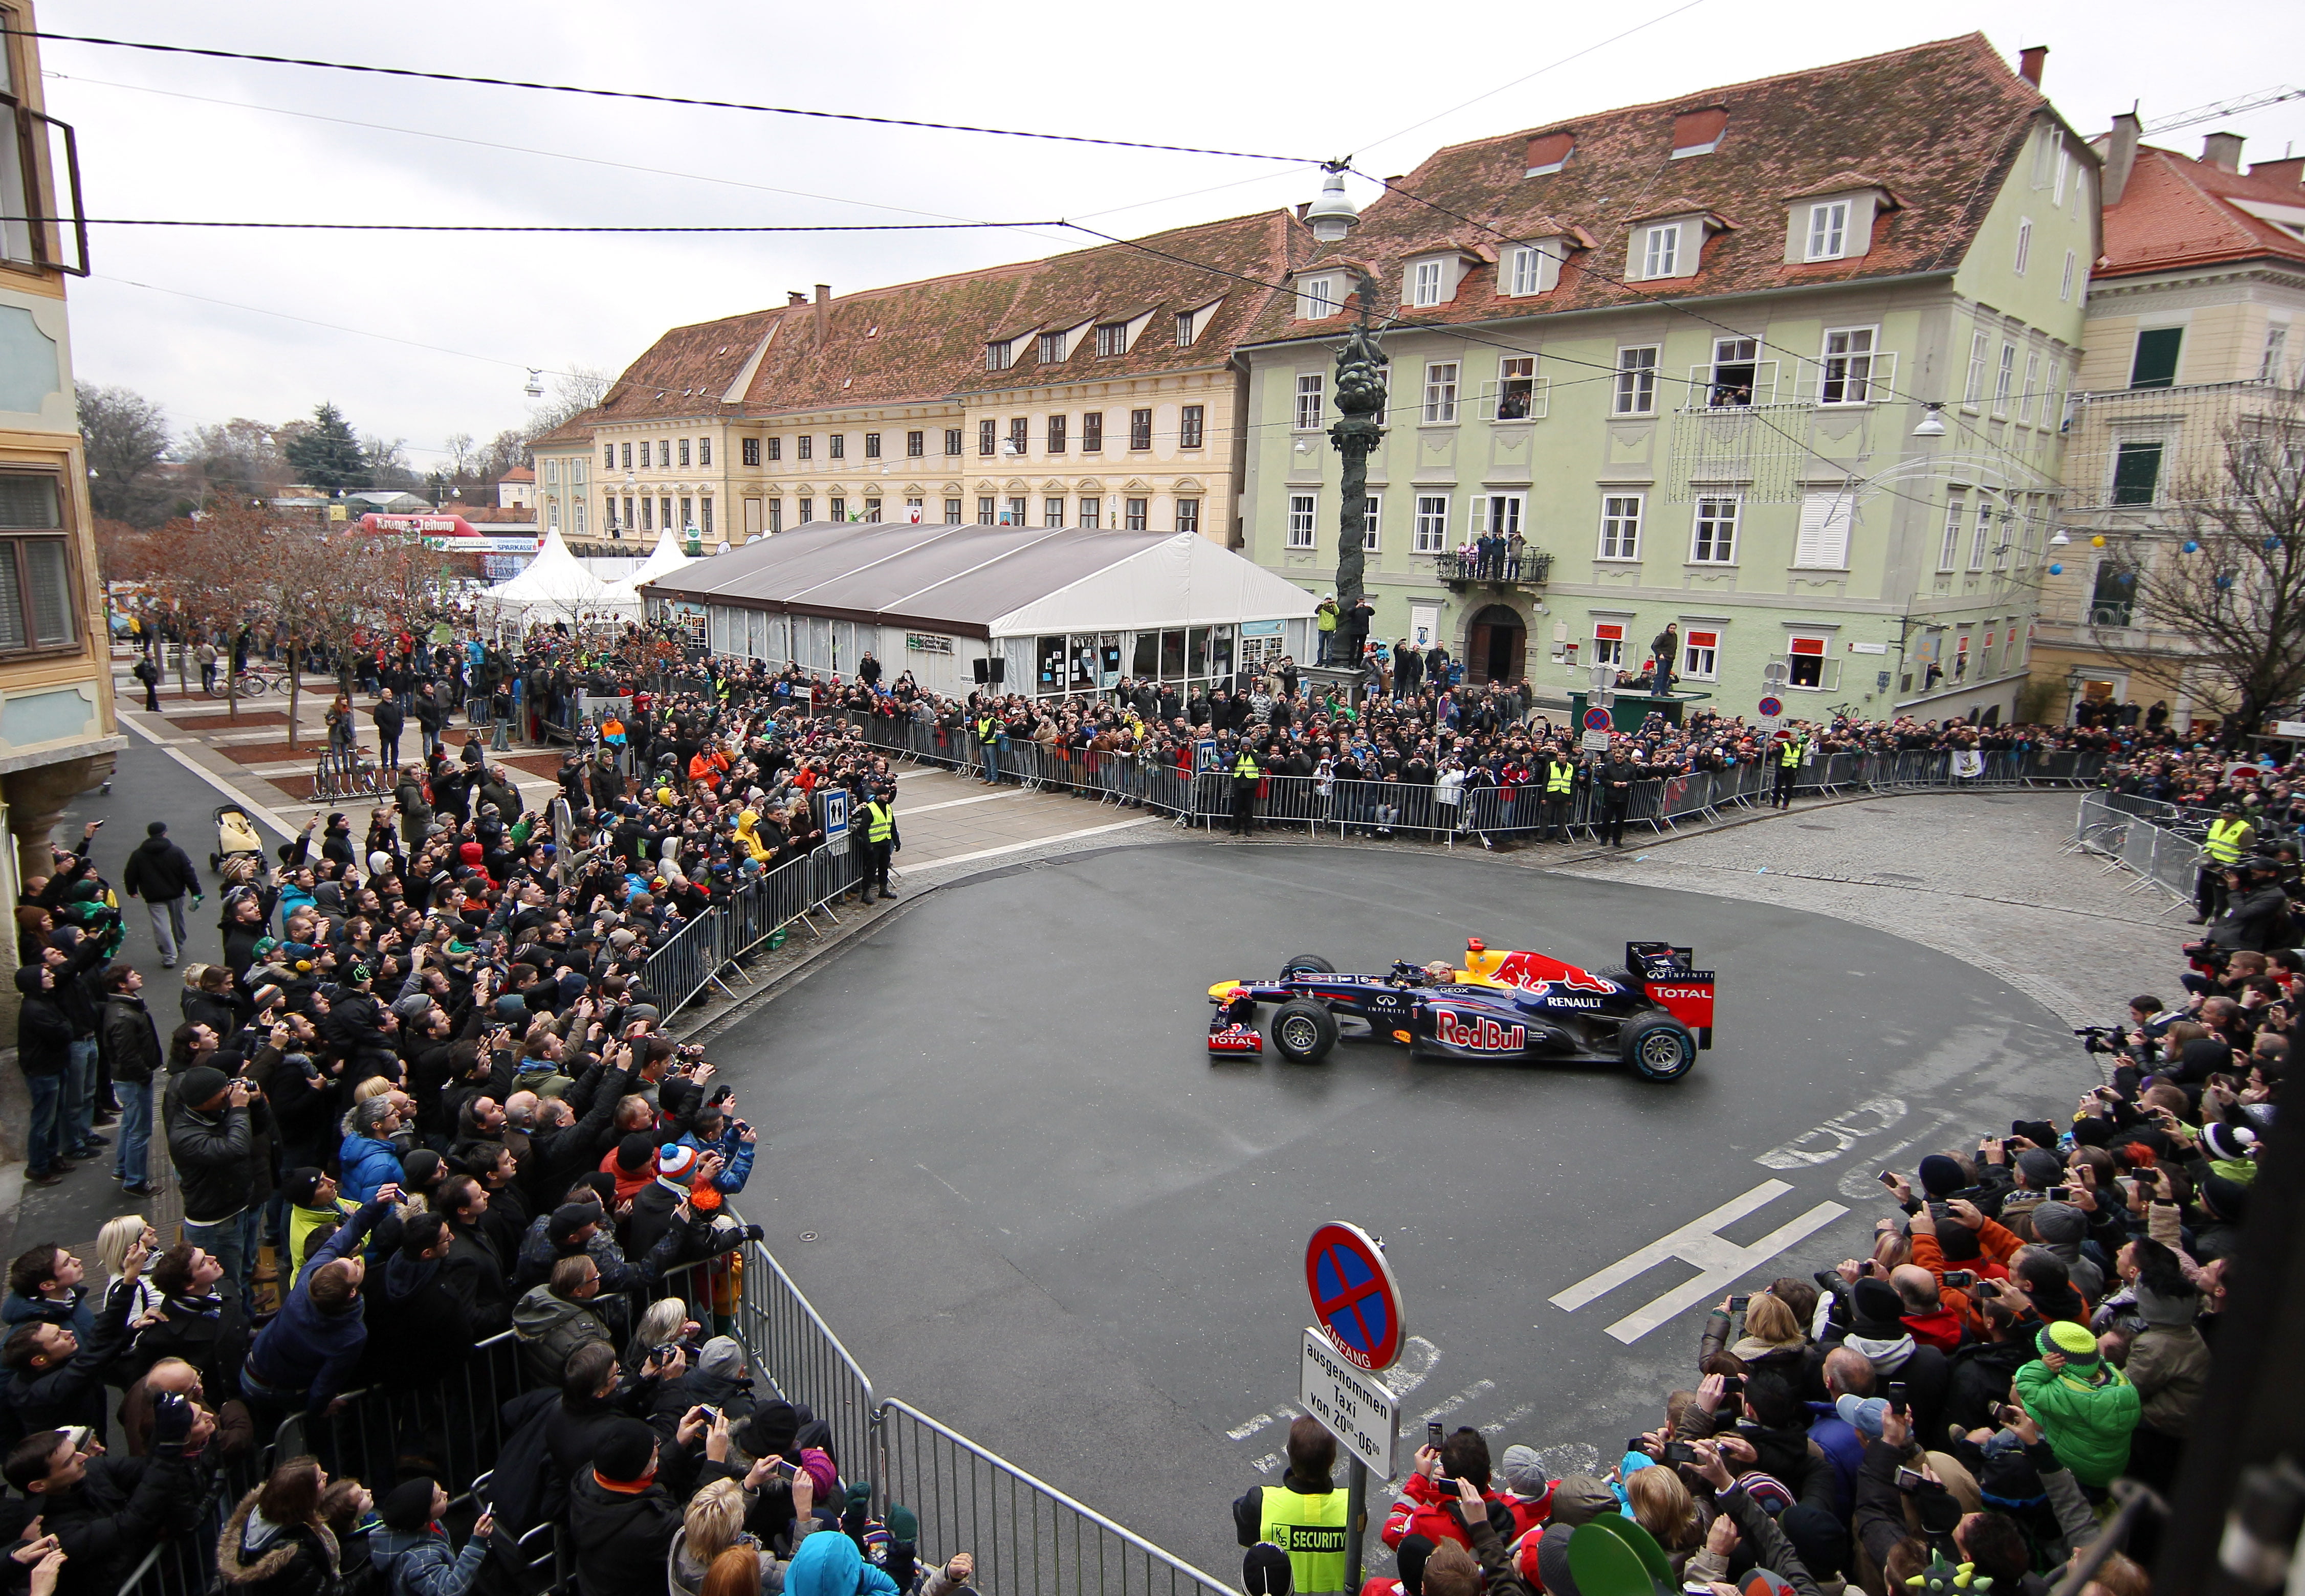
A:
{"x": 159, "y": 870}
{"x": 369, "y": 1166}
{"x": 2087, "y": 1413}
{"x": 832, "y": 1566}
{"x": 2168, "y": 1362}
{"x": 257, "y": 1558}
{"x": 43, "y": 1034}
{"x": 214, "y": 1156}
{"x": 551, "y": 1327}
{"x": 308, "y": 1350}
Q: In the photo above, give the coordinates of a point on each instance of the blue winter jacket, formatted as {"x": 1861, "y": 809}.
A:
{"x": 735, "y": 1159}
{"x": 304, "y": 1348}
{"x": 423, "y": 1562}
{"x": 368, "y": 1165}
{"x": 829, "y": 1565}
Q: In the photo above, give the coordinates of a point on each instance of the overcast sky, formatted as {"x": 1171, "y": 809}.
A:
{"x": 164, "y": 136}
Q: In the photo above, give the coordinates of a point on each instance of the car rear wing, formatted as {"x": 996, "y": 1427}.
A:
{"x": 1669, "y": 978}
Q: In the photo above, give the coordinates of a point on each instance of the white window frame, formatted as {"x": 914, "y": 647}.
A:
{"x": 1425, "y": 282}
{"x": 1661, "y": 250}
{"x": 2273, "y": 365}
{"x": 1304, "y": 520}
{"x": 1828, "y": 668}
{"x": 2065, "y": 289}
{"x": 1621, "y": 515}
{"x": 1527, "y": 271}
{"x": 1511, "y": 368}
{"x": 1636, "y": 390}
{"x": 1712, "y": 529}
{"x": 1980, "y": 344}
{"x": 1700, "y": 661}
{"x": 1373, "y": 522}
{"x": 1981, "y": 538}
{"x": 1504, "y": 513}
{"x": 1949, "y": 546}
{"x": 1828, "y": 230}
{"x": 2026, "y": 400}
{"x": 1311, "y": 390}
{"x": 2024, "y": 244}
{"x": 2005, "y": 379}
{"x": 1849, "y": 367}
{"x": 1000, "y": 354}
{"x": 1317, "y": 299}
{"x": 1432, "y": 532}
{"x": 1440, "y": 382}
{"x": 1609, "y": 650}
{"x": 1111, "y": 340}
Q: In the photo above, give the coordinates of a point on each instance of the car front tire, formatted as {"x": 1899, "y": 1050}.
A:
{"x": 1659, "y": 1048}
{"x": 1302, "y": 1032}
{"x": 1305, "y": 963}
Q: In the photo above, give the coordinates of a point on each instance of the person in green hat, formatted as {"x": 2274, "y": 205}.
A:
{"x": 2087, "y": 1408}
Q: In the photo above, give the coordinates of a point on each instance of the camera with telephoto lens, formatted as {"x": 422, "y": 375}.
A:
{"x": 2101, "y": 1039}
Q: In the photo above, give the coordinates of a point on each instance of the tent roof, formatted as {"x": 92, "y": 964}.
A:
{"x": 664, "y": 559}
{"x": 991, "y": 581}
{"x": 555, "y": 576}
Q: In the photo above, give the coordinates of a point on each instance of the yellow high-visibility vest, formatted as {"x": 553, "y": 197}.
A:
{"x": 1559, "y": 777}
{"x": 2225, "y": 840}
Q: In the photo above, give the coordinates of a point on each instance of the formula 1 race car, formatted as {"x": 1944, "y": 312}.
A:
{"x": 1653, "y": 1015}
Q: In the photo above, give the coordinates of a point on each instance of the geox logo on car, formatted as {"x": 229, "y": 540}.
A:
{"x": 1481, "y": 1035}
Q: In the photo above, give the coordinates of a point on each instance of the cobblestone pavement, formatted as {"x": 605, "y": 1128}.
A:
{"x": 1978, "y": 876}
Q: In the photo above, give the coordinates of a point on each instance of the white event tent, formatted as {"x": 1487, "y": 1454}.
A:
{"x": 664, "y": 559}
{"x": 557, "y": 587}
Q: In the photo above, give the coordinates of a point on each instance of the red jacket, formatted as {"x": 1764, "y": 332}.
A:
{"x": 1940, "y": 1329}
{"x": 1420, "y": 1511}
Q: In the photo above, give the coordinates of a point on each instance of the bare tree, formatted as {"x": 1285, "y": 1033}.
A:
{"x": 573, "y": 392}
{"x": 125, "y": 435}
{"x": 2229, "y": 576}
{"x": 238, "y": 459}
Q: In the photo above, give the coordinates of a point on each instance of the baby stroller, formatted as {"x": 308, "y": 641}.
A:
{"x": 236, "y": 836}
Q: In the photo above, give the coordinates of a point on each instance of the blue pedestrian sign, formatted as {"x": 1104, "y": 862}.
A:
{"x": 835, "y": 814}
{"x": 1596, "y": 720}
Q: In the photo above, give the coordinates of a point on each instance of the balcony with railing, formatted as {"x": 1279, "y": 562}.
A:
{"x": 1528, "y": 569}
{"x": 2136, "y": 451}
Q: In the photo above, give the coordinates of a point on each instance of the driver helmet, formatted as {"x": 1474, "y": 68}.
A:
{"x": 1440, "y": 970}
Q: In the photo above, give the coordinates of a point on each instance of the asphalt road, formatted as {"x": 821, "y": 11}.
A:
{"x": 1043, "y": 1213}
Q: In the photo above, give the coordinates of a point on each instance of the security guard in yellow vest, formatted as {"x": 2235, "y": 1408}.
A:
{"x": 880, "y": 821}
{"x": 1303, "y": 1516}
{"x": 1247, "y": 773}
{"x": 2227, "y": 844}
{"x": 1788, "y": 758}
{"x": 988, "y": 738}
{"x": 1560, "y": 792}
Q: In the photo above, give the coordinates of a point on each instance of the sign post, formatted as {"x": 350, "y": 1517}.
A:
{"x": 1360, "y": 1331}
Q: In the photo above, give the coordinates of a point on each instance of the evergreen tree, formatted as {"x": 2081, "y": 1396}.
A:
{"x": 328, "y": 455}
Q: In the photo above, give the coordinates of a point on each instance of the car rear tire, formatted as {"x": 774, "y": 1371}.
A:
{"x": 1302, "y": 1032}
{"x": 1659, "y": 1048}
{"x": 1305, "y": 963}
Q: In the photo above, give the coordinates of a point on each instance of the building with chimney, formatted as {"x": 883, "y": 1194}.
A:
{"x": 2196, "y": 334}
{"x": 1675, "y": 355}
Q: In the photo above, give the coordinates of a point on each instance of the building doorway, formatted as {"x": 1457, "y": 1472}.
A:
{"x": 1495, "y": 646}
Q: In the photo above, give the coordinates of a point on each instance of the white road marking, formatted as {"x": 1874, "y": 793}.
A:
{"x": 1497, "y": 1427}
{"x": 1721, "y": 1262}
{"x": 1479, "y": 1388}
{"x": 907, "y": 813}
{"x": 941, "y": 1180}
{"x": 913, "y": 866}
{"x": 1268, "y": 1463}
{"x": 1241, "y": 1432}
{"x": 1820, "y": 1144}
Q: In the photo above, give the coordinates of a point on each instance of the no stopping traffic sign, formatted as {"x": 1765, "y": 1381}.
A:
{"x": 1355, "y": 1297}
{"x": 1596, "y": 720}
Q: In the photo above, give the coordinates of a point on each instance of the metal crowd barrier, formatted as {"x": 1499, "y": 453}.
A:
{"x": 787, "y": 1343}
{"x": 1024, "y": 1533}
{"x": 2156, "y": 855}
{"x": 705, "y": 950}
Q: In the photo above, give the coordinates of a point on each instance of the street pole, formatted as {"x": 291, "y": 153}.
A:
{"x": 1356, "y": 1520}
{"x": 1360, "y": 398}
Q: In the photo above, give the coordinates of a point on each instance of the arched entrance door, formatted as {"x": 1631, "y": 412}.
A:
{"x": 1494, "y": 645}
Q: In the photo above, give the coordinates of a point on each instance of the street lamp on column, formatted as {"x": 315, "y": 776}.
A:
{"x": 1360, "y": 400}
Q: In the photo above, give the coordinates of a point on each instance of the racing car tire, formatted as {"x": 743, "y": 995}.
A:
{"x": 1659, "y": 1048}
{"x": 1302, "y": 1032}
{"x": 1302, "y": 963}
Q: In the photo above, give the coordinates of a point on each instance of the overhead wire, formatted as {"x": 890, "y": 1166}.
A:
{"x": 521, "y": 227}
{"x": 213, "y": 54}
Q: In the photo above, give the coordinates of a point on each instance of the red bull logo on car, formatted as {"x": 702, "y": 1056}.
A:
{"x": 1535, "y": 970}
{"x": 1479, "y": 1034}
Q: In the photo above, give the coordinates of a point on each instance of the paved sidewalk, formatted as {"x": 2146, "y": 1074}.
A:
{"x": 1979, "y": 876}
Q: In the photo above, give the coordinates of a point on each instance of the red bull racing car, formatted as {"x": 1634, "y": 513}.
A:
{"x": 1654, "y": 1015}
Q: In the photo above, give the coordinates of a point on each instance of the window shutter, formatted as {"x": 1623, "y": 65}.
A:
{"x": 1823, "y": 543}
{"x": 1488, "y": 402}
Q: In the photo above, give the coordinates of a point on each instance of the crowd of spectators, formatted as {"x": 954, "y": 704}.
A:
{"x": 426, "y": 1098}
{"x": 2037, "y": 1319}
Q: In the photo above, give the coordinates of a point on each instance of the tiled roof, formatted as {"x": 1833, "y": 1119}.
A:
{"x": 926, "y": 340}
{"x": 1938, "y": 123}
{"x": 2175, "y": 211}
{"x": 576, "y": 430}
{"x": 519, "y": 473}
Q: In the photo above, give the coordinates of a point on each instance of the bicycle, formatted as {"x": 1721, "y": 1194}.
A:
{"x": 253, "y": 684}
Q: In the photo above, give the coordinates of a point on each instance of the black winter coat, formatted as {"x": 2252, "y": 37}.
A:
{"x": 159, "y": 870}
{"x": 43, "y": 1034}
{"x": 131, "y": 1040}
{"x": 215, "y": 1161}
{"x": 621, "y": 1538}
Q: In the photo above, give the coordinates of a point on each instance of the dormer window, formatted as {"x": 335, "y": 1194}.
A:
{"x": 1052, "y": 348}
{"x": 1425, "y": 283}
{"x": 1431, "y": 280}
{"x": 1833, "y": 221}
{"x": 1191, "y": 324}
{"x": 1318, "y": 299}
{"x": 1697, "y": 132}
{"x": 1828, "y": 230}
{"x": 1111, "y": 339}
{"x": 1549, "y": 152}
{"x": 1524, "y": 269}
{"x": 1660, "y": 249}
{"x": 1000, "y": 355}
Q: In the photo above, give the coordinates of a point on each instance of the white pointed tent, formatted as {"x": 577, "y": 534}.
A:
{"x": 557, "y": 587}
{"x": 663, "y": 559}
